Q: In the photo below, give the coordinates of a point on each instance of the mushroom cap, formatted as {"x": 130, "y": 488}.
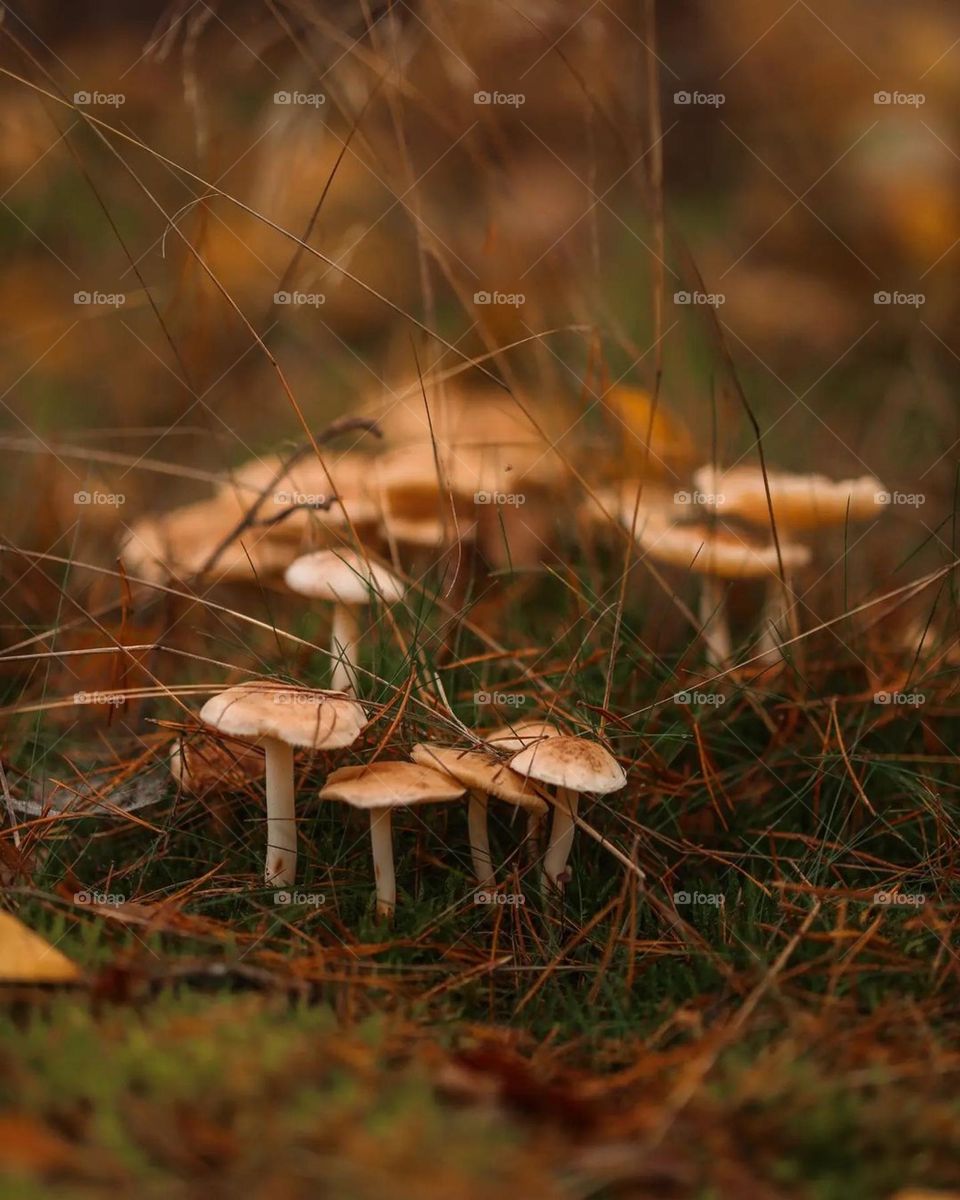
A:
{"x": 716, "y": 551}
{"x": 618, "y": 501}
{"x": 313, "y": 719}
{"x": 515, "y": 737}
{"x": 480, "y": 772}
{"x": 26, "y": 958}
{"x": 343, "y": 576}
{"x": 429, "y": 531}
{"x": 307, "y": 482}
{"x": 799, "y": 501}
{"x": 385, "y": 784}
{"x": 181, "y": 541}
{"x": 571, "y": 762}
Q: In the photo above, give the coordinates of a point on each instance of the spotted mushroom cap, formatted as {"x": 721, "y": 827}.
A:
{"x": 571, "y": 762}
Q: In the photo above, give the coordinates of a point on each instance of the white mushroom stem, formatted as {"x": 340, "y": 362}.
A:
{"x": 480, "y": 839}
{"x": 381, "y": 839}
{"x": 773, "y": 617}
{"x": 281, "y": 864}
{"x": 343, "y": 648}
{"x": 713, "y": 620}
{"x": 534, "y": 820}
{"x": 561, "y": 837}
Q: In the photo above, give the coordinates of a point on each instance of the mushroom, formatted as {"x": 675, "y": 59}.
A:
{"x": 349, "y": 580}
{"x": 799, "y": 503}
{"x": 278, "y": 718}
{"x": 719, "y": 555}
{"x": 26, "y": 958}
{"x": 379, "y": 788}
{"x": 482, "y": 776}
{"x": 510, "y": 739}
{"x": 572, "y": 765}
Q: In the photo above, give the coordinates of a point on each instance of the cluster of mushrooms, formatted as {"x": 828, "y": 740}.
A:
{"x": 531, "y": 766}
{"x": 473, "y": 469}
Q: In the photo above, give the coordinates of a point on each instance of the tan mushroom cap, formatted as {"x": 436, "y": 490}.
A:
{"x": 618, "y": 502}
{"x": 571, "y": 762}
{"x": 343, "y": 576}
{"x": 181, "y": 541}
{"x": 479, "y": 771}
{"x": 390, "y": 785}
{"x": 511, "y": 738}
{"x": 26, "y": 958}
{"x": 307, "y": 482}
{"x": 712, "y": 551}
{"x": 799, "y": 501}
{"x": 313, "y": 719}
{"x": 429, "y": 531}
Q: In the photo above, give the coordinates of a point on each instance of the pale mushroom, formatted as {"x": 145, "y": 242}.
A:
{"x": 379, "y": 788}
{"x": 510, "y": 739}
{"x": 572, "y": 765}
{"x": 483, "y": 777}
{"x": 350, "y": 581}
{"x": 279, "y": 718}
{"x": 719, "y": 556}
{"x": 800, "y": 503}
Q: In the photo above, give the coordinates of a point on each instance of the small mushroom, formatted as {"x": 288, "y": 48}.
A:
{"x": 278, "y": 718}
{"x": 572, "y": 765}
{"x": 379, "y": 788}
{"x": 482, "y": 776}
{"x": 350, "y": 581}
{"x": 720, "y": 556}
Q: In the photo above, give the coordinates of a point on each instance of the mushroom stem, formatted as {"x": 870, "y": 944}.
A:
{"x": 713, "y": 620}
{"x": 480, "y": 839}
{"x": 774, "y": 615}
{"x": 561, "y": 837}
{"x": 534, "y": 820}
{"x": 343, "y": 648}
{"x": 381, "y": 839}
{"x": 281, "y": 864}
